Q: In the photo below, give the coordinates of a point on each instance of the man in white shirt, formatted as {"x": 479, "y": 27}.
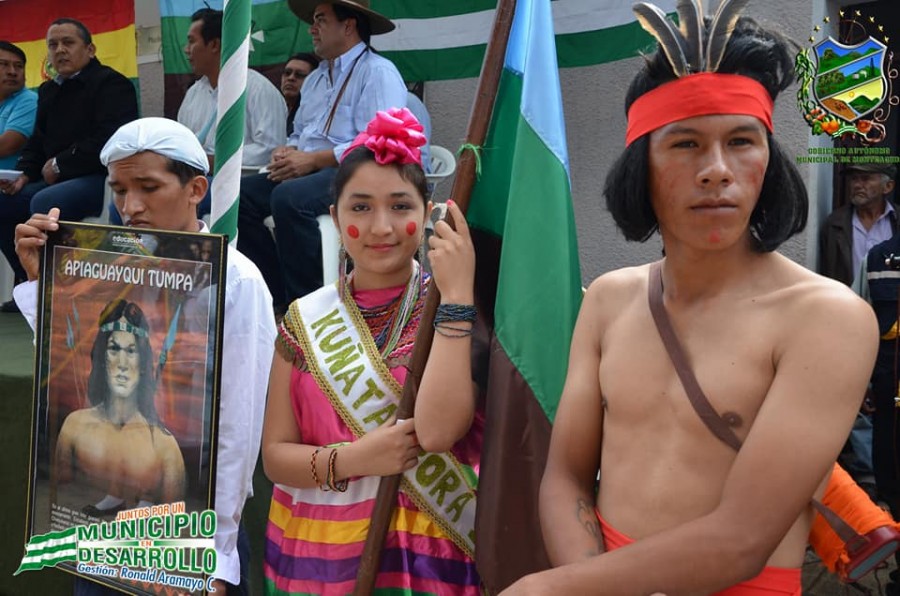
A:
{"x": 156, "y": 168}
{"x": 265, "y": 112}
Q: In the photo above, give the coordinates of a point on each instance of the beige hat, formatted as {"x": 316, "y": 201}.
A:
{"x": 377, "y": 23}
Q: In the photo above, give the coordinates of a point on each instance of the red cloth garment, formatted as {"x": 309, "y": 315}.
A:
{"x": 772, "y": 580}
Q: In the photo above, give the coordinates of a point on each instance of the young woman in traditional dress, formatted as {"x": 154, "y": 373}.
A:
{"x": 342, "y": 355}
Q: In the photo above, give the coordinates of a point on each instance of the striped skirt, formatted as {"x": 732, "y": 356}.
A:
{"x": 314, "y": 542}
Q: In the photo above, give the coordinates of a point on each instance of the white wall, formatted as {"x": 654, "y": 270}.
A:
{"x": 151, "y": 75}
{"x": 146, "y": 13}
{"x": 150, "y": 68}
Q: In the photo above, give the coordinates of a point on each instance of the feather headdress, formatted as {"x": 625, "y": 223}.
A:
{"x": 691, "y": 47}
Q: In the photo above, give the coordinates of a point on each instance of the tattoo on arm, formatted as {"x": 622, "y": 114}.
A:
{"x": 584, "y": 511}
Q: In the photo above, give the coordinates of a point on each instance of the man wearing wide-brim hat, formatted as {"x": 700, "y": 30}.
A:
{"x": 378, "y": 24}
{"x": 338, "y": 99}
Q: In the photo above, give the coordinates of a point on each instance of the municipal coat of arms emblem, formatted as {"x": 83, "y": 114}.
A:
{"x": 846, "y": 89}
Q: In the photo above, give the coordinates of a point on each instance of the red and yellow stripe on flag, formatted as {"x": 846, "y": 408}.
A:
{"x": 111, "y": 23}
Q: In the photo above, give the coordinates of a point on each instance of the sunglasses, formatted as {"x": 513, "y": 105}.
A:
{"x": 290, "y": 72}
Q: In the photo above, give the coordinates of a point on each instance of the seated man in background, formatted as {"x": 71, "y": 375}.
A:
{"x": 17, "y": 111}
{"x": 77, "y": 112}
{"x": 339, "y": 99}
{"x": 265, "y": 107}
{"x": 18, "y": 105}
{"x": 295, "y": 72}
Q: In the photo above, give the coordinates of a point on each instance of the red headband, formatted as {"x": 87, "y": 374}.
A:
{"x": 701, "y": 94}
{"x": 393, "y": 136}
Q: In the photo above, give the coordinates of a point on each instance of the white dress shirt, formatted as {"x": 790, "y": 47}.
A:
{"x": 264, "y": 117}
{"x": 248, "y": 342}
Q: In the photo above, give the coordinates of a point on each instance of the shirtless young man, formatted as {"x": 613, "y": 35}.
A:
{"x": 120, "y": 445}
{"x": 781, "y": 353}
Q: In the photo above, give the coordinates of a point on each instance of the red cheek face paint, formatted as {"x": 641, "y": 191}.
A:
{"x": 353, "y": 231}
{"x": 411, "y": 228}
{"x": 715, "y": 237}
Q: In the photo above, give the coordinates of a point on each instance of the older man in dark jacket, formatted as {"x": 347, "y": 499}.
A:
{"x": 869, "y": 218}
{"x": 77, "y": 113}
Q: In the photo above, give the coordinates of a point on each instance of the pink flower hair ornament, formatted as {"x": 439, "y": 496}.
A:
{"x": 394, "y": 136}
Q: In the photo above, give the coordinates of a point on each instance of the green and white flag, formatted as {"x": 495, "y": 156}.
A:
{"x": 437, "y": 40}
{"x": 434, "y": 39}
{"x": 523, "y": 224}
{"x": 48, "y": 550}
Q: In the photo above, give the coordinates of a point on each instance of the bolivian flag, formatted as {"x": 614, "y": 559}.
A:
{"x": 523, "y": 225}
{"x": 111, "y": 23}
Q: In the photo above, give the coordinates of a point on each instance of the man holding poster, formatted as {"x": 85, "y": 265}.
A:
{"x": 156, "y": 169}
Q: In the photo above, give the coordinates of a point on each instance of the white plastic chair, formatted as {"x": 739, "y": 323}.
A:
{"x": 6, "y": 281}
{"x": 103, "y": 217}
{"x": 443, "y": 165}
{"x": 331, "y": 245}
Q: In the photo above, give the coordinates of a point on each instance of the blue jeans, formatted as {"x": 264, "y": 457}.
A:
{"x": 77, "y": 198}
{"x": 85, "y": 587}
{"x": 293, "y": 267}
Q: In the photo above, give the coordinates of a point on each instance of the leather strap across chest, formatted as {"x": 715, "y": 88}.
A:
{"x": 698, "y": 399}
{"x": 708, "y": 414}
{"x": 340, "y": 94}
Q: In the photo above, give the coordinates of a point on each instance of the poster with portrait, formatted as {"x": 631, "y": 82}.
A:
{"x": 126, "y": 401}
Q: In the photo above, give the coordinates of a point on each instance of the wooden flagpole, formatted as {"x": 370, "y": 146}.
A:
{"x": 479, "y": 121}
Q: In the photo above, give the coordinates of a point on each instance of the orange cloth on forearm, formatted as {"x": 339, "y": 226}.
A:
{"x": 772, "y": 580}
{"x": 853, "y": 505}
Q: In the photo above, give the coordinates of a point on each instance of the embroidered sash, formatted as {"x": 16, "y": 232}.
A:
{"x": 343, "y": 358}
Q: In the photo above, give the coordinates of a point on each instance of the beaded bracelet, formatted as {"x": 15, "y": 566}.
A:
{"x": 332, "y": 485}
{"x": 452, "y": 331}
{"x": 455, "y": 313}
{"x": 312, "y": 466}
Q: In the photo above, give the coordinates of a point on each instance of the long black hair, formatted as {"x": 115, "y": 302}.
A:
{"x": 754, "y": 52}
{"x": 98, "y": 381}
{"x": 13, "y": 49}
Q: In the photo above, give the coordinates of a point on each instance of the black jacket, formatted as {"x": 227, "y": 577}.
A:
{"x": 74, "y": 120}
